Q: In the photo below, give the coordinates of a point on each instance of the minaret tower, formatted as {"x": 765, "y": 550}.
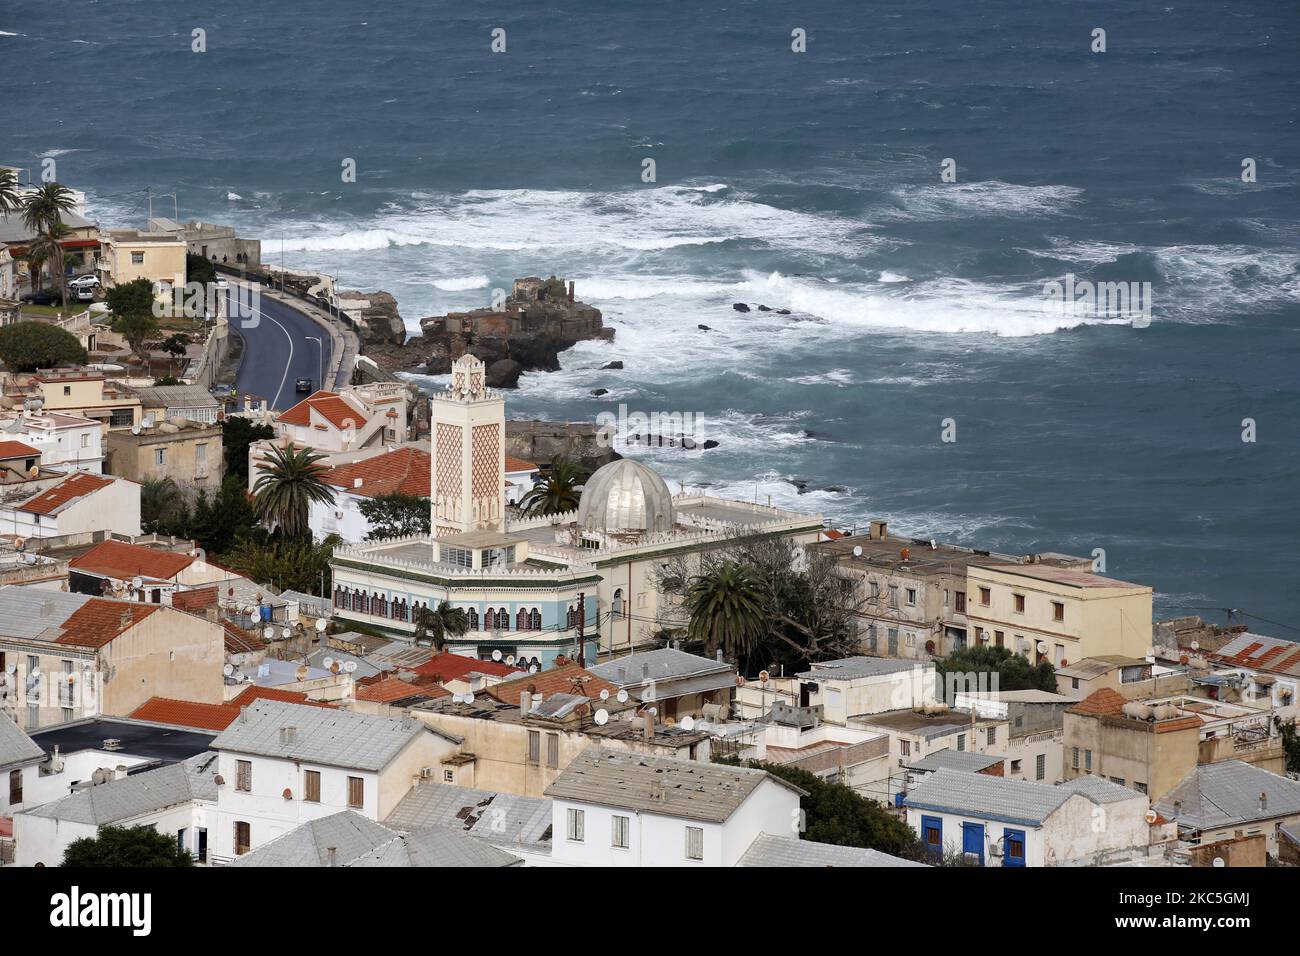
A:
{"x": 467, "y": 435}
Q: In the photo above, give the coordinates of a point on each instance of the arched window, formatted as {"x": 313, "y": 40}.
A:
{"x": 503, "y": 619}
{"x": 535, "y": 620}
{"x": 571, "y": 619}
{"x": 522, "y": 620}
{"x": 381, "y": 605}
{"x": 361, "y": 602}
{"x": 616, "y": 607}
{"x": 472, "y": 616}
{"x": 339, "y": 594}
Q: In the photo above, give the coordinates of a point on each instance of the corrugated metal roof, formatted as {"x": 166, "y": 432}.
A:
{"x": 436, "y": 847}
{"x": 1227, "y": 793}
{"x": 15, "y": 746}
{"x": 1098, "y": 789}
{"x": 350, "y": 835}
{"x": 982, "y": 796}
{"x": 136, "y": 795}
{"x": 959, "y": 760}
{"x": 769, "y": 850}
{"x": 666, "y": 663}
{"x": 504, "y": 819}
{"x": 26, "y": 612}
{"x": 850, "y": 668}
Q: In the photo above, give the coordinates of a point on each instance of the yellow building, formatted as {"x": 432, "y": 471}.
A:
{"x": 130, "y": 254}
{"x": 1057, "y": 614}
{"x": 189, "y": 453}
{"x": 86, "y": 394}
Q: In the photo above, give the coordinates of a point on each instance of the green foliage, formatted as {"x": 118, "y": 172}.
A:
{"x": 137, "y": 328}
{"x": 439, "y": 623}
{"x": 218, "y": 524}
{"x": 163, "y": 509}
{"x": 291, "y": 479}
{"x": 131, "y": 298}
{"x": 1290, "y": 743}
{"x": 833, "y": 813}
{"x": 126, "y": 846}
{"x": 395, "y": 515}
{"x": 11, "y": 199}
{"x": 168, "y": 380}
{"x": 1014, "y": 671}
{"x": 199, "y": 269}
{"x": 726, "y": 609}
{"x": 296, "y": 564}
{"x": 27, "y": 346}
{"x": 237, "y": 433}
{"x": 558, "y": 491}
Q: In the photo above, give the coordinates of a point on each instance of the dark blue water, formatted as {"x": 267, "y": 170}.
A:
{"x": 808, "y": 182}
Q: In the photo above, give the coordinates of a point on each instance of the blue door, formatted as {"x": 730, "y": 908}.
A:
{"x": 972, "y": 840}
{"x": 1013, "y": 847}
{"x": 932, "y": 834}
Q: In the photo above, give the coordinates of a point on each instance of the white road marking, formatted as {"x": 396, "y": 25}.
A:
{"x": 285, "y": 377}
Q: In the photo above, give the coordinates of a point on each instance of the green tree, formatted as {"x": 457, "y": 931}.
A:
{"x": 726, "y": 609}
{"x": 48, "y": 248}
{"x": 218, "y": 523}
{"x": 1290, "y": 744}
{"x": 558, "y": 491}
{"x": 126, "y": 846}
{"x": 11, "y": 198}
{"x": 291, "y": 479}
{"x": 43, "y": 213}
{"x": 27, "y": 346}
{"x": 833, "y": 813}
{"x": 439, "y": 623}
{"x": 395, "y": 515}
{"x": 131, "y": 298}
{"x": 1014, "y": 671}
{"x": 137, "y": 328}
{"x": 175, "y": 346}
{"x": 199, "y": 269}
{"x": 163, "y": 509}
{"x": 297, "y": 564}
{"x": 237, "y": 433}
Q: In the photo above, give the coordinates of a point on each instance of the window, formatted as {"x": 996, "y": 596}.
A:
{"x": 200, "y": 456}
{"x": 1118, "y": 780}
{"x": 945, "y": 597}
{"x": 992, "y": 736}
{"x": 893, "y": 595}
{"x": 461, "y": 557}
{"x": 15, "y": 786}
{"x": 534, "y": 746}
{"x": 552, "y": 750}
{"x": 999, "y": 638}
{"x": 905, "y": 748}
{"x": 1074, "y": 683}
{"x": 911, "y": 597}
{"x": 694, "y": 843}
{"x": 243, "y": 838}
{"x": 1087, "y": 760}
{"x": 1040, "y": 767}
{"x": 121, "y": 418}
{"x": 311, "y": 786}
{"x": 67, "y": 687}
{"x": 160, "y": 456}
{"x": 616, "y": 604}
{"x": 356, "y": 793}
{"x": 1020, "y": 603}
{"x": 137, "y": 258}
{"x": 961, "y": 742}
{"x": 85, "y": 441}
{"x": 1074, "y": 757}
{"x": 959, "y": 602}
{"x": 1058, "y": 611}
{"x": 244, "y": 775}
{"x": 1015, "y": 766}
{"x": 1139, "y": 786}
{"x": 67, "y": 389}
{"x": 577, "y": 829}
{"x": 619, "y": 836}
{"x": 986, "y": 596}
{"x": 449, "y": 776}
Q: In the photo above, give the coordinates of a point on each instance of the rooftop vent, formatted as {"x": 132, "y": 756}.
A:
{"x": 112, "y": 743}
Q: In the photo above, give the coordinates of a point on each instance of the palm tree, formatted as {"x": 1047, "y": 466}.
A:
{"x": 160, "y": 500}
{"x": 726, "y": 608}
{"x": 48, "y": 247}
{"x": 292, "y": 478}
{"x": 11, "y": 199}
{"x": 440, "y": 623}
{"x": 43, "y": 214}
{"x": 558, "y": 492}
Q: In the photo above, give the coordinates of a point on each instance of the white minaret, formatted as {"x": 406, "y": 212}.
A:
{"x": 468, "y": 439}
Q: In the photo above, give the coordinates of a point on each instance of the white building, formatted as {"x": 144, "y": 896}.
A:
{"x": 281, "y": 765}
{"x": 853, "y": 686}
{"x": 627, "y": 809}
{"x": 1000, "y": 822}
{"x": 20, "y": 760}
{"x": 79, "y": 503}
{"x": 66, "y": 442}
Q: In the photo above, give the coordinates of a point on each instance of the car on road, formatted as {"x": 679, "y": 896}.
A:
{"x": 303, "y": 385}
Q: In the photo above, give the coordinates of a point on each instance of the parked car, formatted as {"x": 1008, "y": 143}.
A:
{"x": 83, "y": 293}
{"x": 303, "y": 385}
{"x": 84, "y": 282}
{"x": 44, "y": 297}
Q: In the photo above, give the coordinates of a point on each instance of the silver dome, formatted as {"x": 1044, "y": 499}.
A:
{"x": 625, "y": 495}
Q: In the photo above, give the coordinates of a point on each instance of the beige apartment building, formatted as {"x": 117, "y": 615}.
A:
{"x": 187, "y": 452}
{"x": 130, "y": 254}
{"x": 1057, "y": 614}
{"x": 87, "y": 394}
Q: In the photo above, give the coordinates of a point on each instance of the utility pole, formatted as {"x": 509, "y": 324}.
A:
{"x": 582, "y": 630}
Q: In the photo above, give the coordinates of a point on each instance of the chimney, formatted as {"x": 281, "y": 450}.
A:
{"x": 622, "y": 675}
{"x": 537, "y": 701}
{"x": 718, "y": 655}
{"x": 645, "y": 671}
{"x": 1263, "y": 802}
{"x": 570, "y": 291}
{"x": 356, "y": 482}
{"x": 211, "y": 614}
{"x": 125, "y": 619}
{"x": 332, "y": 855}
{"x": 648, "y": 726}
{"x": 288, "y": 735}
{"x": 525, "y": 702}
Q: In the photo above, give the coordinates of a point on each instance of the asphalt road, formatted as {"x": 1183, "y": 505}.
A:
{"x": 279, "y": 348}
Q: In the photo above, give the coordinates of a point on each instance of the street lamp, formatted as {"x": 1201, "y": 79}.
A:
{"x": 320, "y": 360}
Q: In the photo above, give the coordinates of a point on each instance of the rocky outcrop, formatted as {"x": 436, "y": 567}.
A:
{"x": 376, "y": 316}
{"x": 544, "y": 442}
{"x": 504, "y": 373}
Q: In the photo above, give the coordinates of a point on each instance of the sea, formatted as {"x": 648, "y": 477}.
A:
{"x": 900, "y": 183}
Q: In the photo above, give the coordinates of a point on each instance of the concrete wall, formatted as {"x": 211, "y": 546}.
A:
{"x": 168, "y": 654}
{"x": 192, "y": 458}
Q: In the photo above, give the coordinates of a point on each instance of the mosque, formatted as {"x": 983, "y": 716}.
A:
{"x": 536, "y": 587}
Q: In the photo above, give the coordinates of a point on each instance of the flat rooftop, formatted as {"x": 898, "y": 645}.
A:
{"x": 922, "y": 560}
{"x": 138, "y": 738}
{"x": 925, "y": 725}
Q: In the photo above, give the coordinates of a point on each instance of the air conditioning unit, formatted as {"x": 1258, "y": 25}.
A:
{"x": 426, "y": 773}
{"x": 995, "y": 849}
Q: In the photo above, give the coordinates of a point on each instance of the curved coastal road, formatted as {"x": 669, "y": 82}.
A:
{"x": 279, "y": 348}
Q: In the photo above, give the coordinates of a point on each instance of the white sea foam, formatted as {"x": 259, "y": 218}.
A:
{"x": 234, "y": 197}
{"x": 989, "y": 198}
{"x": 461, "y": 283}
{"x": 893, "y": 277}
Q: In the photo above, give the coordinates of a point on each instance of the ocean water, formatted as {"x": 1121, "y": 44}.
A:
{"x": 808, "y": 182}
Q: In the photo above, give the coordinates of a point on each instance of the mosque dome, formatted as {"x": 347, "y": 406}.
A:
{"x": 625, "y": 495}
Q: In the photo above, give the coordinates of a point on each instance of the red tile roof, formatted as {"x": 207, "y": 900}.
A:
{"x": 1101, "y": 702}
{"x": 448, "y": 667}
{"x": 195, "y": 600}
{"x": 53, "y": 500}
{"x": 186, "y": 713}
{"x": 1178, "y": 723}
{"x": 328, "y": 405}
{"x": 518, "y": 464}
{"x": 394, "y": 688}
{"x": 122, "y": 562}
{"x": 240, "y": 641}
{"x": 253, "y": 693}
{"x": 99, "y": 621}
{"x": 566, "y": 679}
{"x": 404, "y": 471}
{"x": 16, "y": 449}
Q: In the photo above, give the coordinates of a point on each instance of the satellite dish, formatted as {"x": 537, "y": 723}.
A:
{"x": 321, "y": 624}
{"x": 510, "y": 659}
{"x": 12, "y": 668}
{"x": 602, "y": 717}
{"x": 857, "y": 550}
{"x": 1218, "y": 861}
{"x": 764, "y": 677}
{"x": 350, "y": 666}
{"x": 137, "y": 582}
{"x": 469, "y": 698}
{"x": 648, "y": 694}
{"x": 496, "y": 655}
{"x": 285, "y": 632}
{"x": 249, "y": 610}
{"x": 1196, "y": 645}
{"x": 533, "y": 668}
{"x": 268, "y": 632}
{"x": 622, "y": 697}
{"x": 135, "y": 429}
{"x": 228, "y": 669}
{"x": 654, "y": 711}
{"x": 604, "y": 693}
{"x": 688, "y": 723}
{"x": 1042, "y": 647}
{"x": 1152, "y": 816}
{"x": 327, "y": 662}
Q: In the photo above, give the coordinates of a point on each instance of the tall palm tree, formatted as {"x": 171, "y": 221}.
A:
{"x": 440, "y": 623}
{"x": 43, "y": 214}
{"x": 726, "y": 608}
{"x": 292, "y": 478}
{"x": 48, "y": 247}
{"x": 558, "y": 492}
{"x": 11, "y": 199}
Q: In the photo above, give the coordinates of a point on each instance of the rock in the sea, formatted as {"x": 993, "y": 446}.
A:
{"x": 710, "y": 443}
{"x": 765, "y": 308}
{"x": 614, "y": 364}
{"x": 597, "y": 392}
{"x": 376, "y": 315}
{"x": 704, "y": 328}
{"x": 782, "y": 311}
{"x": 740, "y": 306}
{"x": 837, "y": 489}
{"x": 504, "y": 373}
